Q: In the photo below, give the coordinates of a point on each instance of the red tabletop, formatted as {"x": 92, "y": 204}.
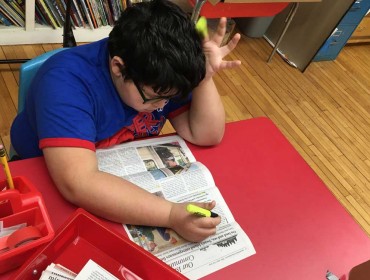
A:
{"x": 298, "y": 228}
{"x": 235, "y": 10}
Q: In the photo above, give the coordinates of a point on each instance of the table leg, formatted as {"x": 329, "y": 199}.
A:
{"x": 288, "y": 20}
{"x": 196, "y": 10}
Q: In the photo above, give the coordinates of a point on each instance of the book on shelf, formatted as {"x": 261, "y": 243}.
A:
{"x": 73, "y": 13}
{"x": 21, "y": 4}
{"x": 4, "y": 19}
{"x": 41, "y": 13}
{"x": 91, "y": 13}
{"x": 8, "y": 11}
{"x": 76, "y": 9}
{"x": 60, "y": 13}
{"x": 39, "y": 18}
{"x": 46, "y": 13}
{"x": 101, "y": 13}
{"x": 16, "y": 7}
{"x": 108, "y": 13}
{"x": 59, "y": 19}
{"x": 114, "y": 6}
{"x": 84, "y": 13}
{"x": 87, "y": 13}
{"x": 166, "y": 167}
{"x": 95, "y": 13}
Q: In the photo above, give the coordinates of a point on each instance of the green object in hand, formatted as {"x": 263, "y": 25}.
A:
{"x": 201, "y": 27}
{"x": 194, "y": 209}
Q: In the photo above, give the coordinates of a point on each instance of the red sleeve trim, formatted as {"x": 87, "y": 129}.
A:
{"x": 179, "y": 111}
{"x": 66, "y": 142}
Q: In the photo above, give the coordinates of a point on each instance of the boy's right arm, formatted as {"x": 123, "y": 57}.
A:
{"x": 76, "y": 175}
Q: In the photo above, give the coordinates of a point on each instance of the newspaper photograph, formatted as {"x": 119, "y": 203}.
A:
{"x": 166, "y": 167}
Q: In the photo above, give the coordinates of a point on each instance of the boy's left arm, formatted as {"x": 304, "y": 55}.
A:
{"x": 204, "y": 123}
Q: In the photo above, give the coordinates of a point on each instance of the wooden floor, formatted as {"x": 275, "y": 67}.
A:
{"x": 324, "y": 112}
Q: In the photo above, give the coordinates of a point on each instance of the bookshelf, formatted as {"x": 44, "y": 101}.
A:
{"x": 34, "y": 33}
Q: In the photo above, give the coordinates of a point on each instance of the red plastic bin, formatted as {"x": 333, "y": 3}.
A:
{"x": 23, "y": 204}
{"x": 85, "y": 237}
{"x": 235, "y": 10}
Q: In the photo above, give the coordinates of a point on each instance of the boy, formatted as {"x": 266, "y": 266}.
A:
{"x": 118, "y": 89}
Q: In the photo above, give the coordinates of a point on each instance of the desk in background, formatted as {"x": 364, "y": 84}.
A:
{"x": 298, "y": 228}
{"x": 247, "y": 8}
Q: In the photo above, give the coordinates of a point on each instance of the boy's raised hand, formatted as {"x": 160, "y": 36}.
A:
{"x": 192, "y": 227}
{"x": 215, "y": 53}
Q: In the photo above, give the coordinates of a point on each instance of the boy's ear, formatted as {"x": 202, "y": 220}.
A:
{"x": 116, "y": 64}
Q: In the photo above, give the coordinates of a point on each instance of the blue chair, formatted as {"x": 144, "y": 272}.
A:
{"x": 27, "y": 72}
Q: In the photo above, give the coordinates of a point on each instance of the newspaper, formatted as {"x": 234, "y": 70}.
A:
{"x": 93, "y": 271}
{"x": 90, "y": 271}
{"x": 166, "y": 167}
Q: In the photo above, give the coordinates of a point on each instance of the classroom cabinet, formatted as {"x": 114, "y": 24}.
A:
{"x": 339, "y": 37}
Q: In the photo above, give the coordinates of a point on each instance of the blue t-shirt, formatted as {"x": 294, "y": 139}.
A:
{"x": 72, "y": 102}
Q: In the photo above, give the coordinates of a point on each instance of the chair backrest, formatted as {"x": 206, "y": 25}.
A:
{"x": 27, "y": 73}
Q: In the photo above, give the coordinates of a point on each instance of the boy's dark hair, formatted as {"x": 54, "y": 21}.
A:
{"x": 159, "y": 46}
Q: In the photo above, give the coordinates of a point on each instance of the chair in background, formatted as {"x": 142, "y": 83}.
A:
{"x": 27, "y": 72}
{"x": 30, "y": 67}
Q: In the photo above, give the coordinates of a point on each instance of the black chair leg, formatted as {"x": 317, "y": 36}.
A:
{"x": 9, "y": 61}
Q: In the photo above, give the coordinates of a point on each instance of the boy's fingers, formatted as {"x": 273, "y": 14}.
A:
{"x": 221, "y": 30}
{"x": 234, "y": 42}
{"x": 230, "y": 64}
{"x": 207, "y": 205}
{"x": 210, "y": 223}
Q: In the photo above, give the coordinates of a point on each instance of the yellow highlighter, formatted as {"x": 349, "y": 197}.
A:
{"x": 196, "y": 210}
{"x": 201, "y": 27}
{"x": 4, "y": 163}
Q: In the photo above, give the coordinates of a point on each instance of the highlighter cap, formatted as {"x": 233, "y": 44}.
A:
{"x": 201, "y": 27}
